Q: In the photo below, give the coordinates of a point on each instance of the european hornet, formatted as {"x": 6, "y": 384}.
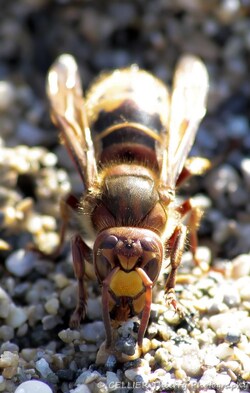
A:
{"x": 129, "y": 139}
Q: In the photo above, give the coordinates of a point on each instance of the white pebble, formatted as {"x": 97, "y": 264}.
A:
{"x": 245, "y": 167}
{"x": 226, "y": 320}
{"x": 224, "y": 351}
{"x": 49, "y": 159}
{"x": 33, "y": 387}
{"x": 191, "y": 364}
{"x": 133, "y": 373}
{"x": 245, "y": 290}
{"x": 5, "y": 303}
{"x": 34, "y": 224}
{"x": 207, "y": 378}
{"x": 222, "y": 380}
{"x": 113, "y": 381}
{"x": 7, "y": 95}
{"x": 9, "y": 359}
{"x": 94, "y": 309}
{"x": 44, "y": 369}
{"x": 243, "y": 358}
{"x": 245, "y": 326}
{"x": 16, "y": 317}
{"x": 87, "y": 377}
{"x": 240, "y": 266}
{"x": 6, "y": 333}
{"x": 203, "y": 254}
{"x": 68, "y": 335}
{"x": 211, "y": 360}
{"x": 20, "y": 263}
{"x": 51, "y": 306}
{"x": 61, "y": 280}
{"x": 92, "y": 332}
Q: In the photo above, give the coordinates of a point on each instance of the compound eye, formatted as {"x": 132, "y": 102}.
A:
{"x": 109, "y": 242}
{"x": 148, "y": 244}
{"x": 152, "y": 268}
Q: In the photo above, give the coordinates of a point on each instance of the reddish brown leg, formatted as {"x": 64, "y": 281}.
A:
{"x": 80, "y": 254}
{"x": 184, "y": 175}
{"x": 193, "y": 223}
{"x": 177, "y": 242}
{"x": 148, "y": 300}
{"x": 105, "y": 306}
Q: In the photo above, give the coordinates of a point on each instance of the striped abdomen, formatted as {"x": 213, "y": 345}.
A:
{"x": 127, "y": 111}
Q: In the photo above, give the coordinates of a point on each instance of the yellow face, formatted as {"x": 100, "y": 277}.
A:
{"x": 126, "y": 284}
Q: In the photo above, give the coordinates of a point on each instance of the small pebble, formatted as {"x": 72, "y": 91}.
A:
{"x": 6, "y": 333}
{"x": 45, "y": 371}
{"x": 61, "y": 280}
{"x": 233, "y": 336}
{"x": 51, "y": 306}
{"x": 240, "y": 266}
{"x": 93, "y": 332}
{"x": 113, "y": 381}
{"x": 133, "y": 373}
{"x": 68, "y": 297}
{"x": 222, "y": 180}
{"x": 86, "y": 377}
{"x": 22, "y": 330}
{"x": 126, "y": 345}
{"x": 20, "y": 263}
{"x": 94, "y": 309}
{"x": 8, "y": 359}
{"x": 245, "y": 167}
{"x": 245, "y": 326}
{"x": 7, "y": 95}
{"x": 221, "y": 321}
{"x": 222, "y": 380}
{"x": 191, "y": 364}
{"x": 28, "y": 354}
{"x": 5, "y": 303}
{"x": 244, "y": 288}
{"x": 232, "y": 300}
{"x": 9, "y": 346}
{"x": 111, "y": 362}
{"x": 243, "y": 358}
{"x": 211, "y": 360}
{"x": 33, "y": 387}
{"x": 68, "y": 335}
{"x": 51, "y": 321}
{"x": 16, "y": 316}
{"x": 223, "y": 351}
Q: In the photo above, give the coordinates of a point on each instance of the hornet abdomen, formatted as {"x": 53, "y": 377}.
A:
{"x": 127, "y": 112}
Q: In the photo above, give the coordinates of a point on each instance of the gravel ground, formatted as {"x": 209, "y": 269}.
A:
{"x": 208, "y": 350}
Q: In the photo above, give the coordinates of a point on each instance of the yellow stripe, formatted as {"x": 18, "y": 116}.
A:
{"x": 137, "y": 126}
